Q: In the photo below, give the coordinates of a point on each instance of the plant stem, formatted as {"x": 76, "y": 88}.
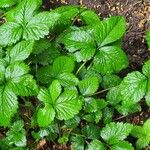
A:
{"x": 80, "y": 68}
{"x": 99, "y": 92}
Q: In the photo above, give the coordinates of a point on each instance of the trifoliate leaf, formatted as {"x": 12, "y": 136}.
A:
{"x": 89, "y": 85}
{"x": 7, "y": 3}
{"x": 122, "y": 145}
{"x": 143, "y": 135}
{"x": 148, "y": 38}
{"x": 16, "y": 135}
{"x": 89, "y": 17}
{"x": 115, "y": 132}
{"x": 77, "y": 142}
{"x": 113, "y": 96}
{"x": 133, "y": 88}
{"x": 45, "y": 115}
{"x": 110, "y": 59}
{"x": 107, "y": 32}
{"x": 80, "y": 40}
{"x": 10, "y": 33}
{"x": 91, "y": 131}
{"x": 68, "y": 105}
{"x": 39, "y": 25}
{"x": 110, "y": 81}
{"x": 96, "y": 145}
{"x": 8, "y": 105}
{"x": 65, "y": 105}
{"x": 21, "y": 51}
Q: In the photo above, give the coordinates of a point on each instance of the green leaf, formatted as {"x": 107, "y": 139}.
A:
{"x": 108, "y": 115}
{"x": 89, "y": 85}
{"x": 68, "y": 105}
{"x": 143, "y": 135}
{"x": 148, "y": 38}
{"x": 63, "y": 64}
{"x": 7, "y": 3}
{"x": 10, "y": 33}
{"x": 93, "y": 105}
{"x": 107, "y": 32}
{"x": 2, "y": 72}
{"x": 55, "y": 89}
{"x": 81, "y": 41}
{"x": 89, "y": 17}
{"x": 67, "y": 79}
{"x": 24, "y": 11}
{"x": 110, "y": 81}
{"x": 16, "y": 134}
{"x": 45, "y": 116}
{"x": 21, "y": 51}
{"x": 24, "y": 85}
{"x": 115, "y": 132}
{"x": 110, "y": 59}
{"x": 8, "y": 105}
{"x": 113, "y": 96}
{"x": 73, "y": 122}
{"x": 39, "y": 25}
{"x": 96, "y": 145}
{"x": 67, "y": 14}
{"x": 133, "y": 88}
{"x": 91, "y": 131}
{"x": 77, "y": 142}
{"x": 122, "y": 145}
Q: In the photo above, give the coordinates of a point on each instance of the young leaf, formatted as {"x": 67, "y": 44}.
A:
{"x": 133, "y": 88}
{"x": 107, "y": 32}
{"x": 16, "y": 135}
{"x": 110, "y": 59}
{"x": 115, "y": 132}
{"x": 124, "y": 145}
{"x": 143, "y": 135}
{"x": 96, "y": 145}
{"x": 89, "y": 85}
{"x": 107, "y": 115}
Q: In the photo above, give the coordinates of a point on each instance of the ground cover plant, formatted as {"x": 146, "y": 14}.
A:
{"x": 60, "y": 80}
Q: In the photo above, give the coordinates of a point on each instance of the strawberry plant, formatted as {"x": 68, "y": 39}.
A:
{"x": 60, "y": 80}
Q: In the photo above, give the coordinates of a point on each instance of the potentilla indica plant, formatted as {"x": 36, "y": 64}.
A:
{"x": 59, "y": 79}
